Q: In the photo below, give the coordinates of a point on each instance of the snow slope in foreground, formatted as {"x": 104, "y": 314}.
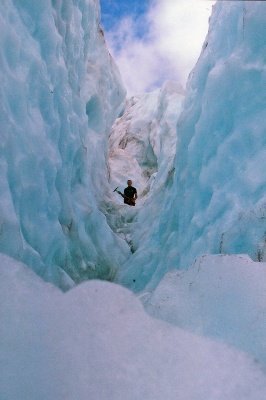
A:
{"x": 219, "y": 296}
{"x": 96, "y": 342}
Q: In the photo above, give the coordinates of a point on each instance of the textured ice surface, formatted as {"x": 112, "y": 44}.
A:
{"x": 217, "y": 202}
{"x": 218, "y": 296}
{"x": 220, "y": 176}
{"x": 142, "y": 142}
{"x": 142, "y": 148}
{"x": 59, "y": 94}
{"x": 96, "y": 342}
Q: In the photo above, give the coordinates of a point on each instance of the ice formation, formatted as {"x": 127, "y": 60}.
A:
{"x": 60, "y": 93}
{"x": 144, "y": 138}
{"x": 142, "y": 148}
{"x": 217, "y": 202}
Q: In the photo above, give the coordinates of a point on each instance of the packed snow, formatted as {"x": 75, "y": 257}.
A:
{"x": 96, "y": 342}
{"x": 219, "y": 296}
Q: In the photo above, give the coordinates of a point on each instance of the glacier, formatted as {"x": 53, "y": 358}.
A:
{"x": 192, "y": 325}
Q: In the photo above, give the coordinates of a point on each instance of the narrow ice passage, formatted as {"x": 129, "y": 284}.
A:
{"x": 201, "y": 192}
{"x": 210, "y": 200}
{"x": 142, "y": 147}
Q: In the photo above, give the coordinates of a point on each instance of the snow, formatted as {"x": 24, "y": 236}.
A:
{"x": 219, "y": 296}
{"x": 96, "y": 342}
{"x": 60, "y": 93}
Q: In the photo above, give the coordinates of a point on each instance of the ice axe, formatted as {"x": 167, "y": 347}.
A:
{"x": 117, "y": 191}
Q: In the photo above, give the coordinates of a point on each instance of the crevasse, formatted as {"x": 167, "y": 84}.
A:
{"x": 60, "y": 94}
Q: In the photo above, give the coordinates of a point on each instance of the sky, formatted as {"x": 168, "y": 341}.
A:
{"x": 153, "y": 41}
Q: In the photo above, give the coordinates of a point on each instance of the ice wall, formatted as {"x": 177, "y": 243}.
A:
{"x": 217, "y": 202}
{"x": 142, "y": 142}
{"x": 60, "y": 93}
{"x": 220, "y": 164}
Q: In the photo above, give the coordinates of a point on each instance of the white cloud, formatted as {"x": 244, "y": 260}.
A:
{"x": 162, "y": 45}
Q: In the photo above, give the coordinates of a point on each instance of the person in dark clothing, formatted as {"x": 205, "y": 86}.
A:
{"x": 130, "y": 194}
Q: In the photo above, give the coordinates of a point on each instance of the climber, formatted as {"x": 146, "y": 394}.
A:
{"x": 130, "y": 194}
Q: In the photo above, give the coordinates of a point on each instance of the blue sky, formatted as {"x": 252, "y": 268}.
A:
{"x": 114, "y": 10}
{"x": 155, "y": 40}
